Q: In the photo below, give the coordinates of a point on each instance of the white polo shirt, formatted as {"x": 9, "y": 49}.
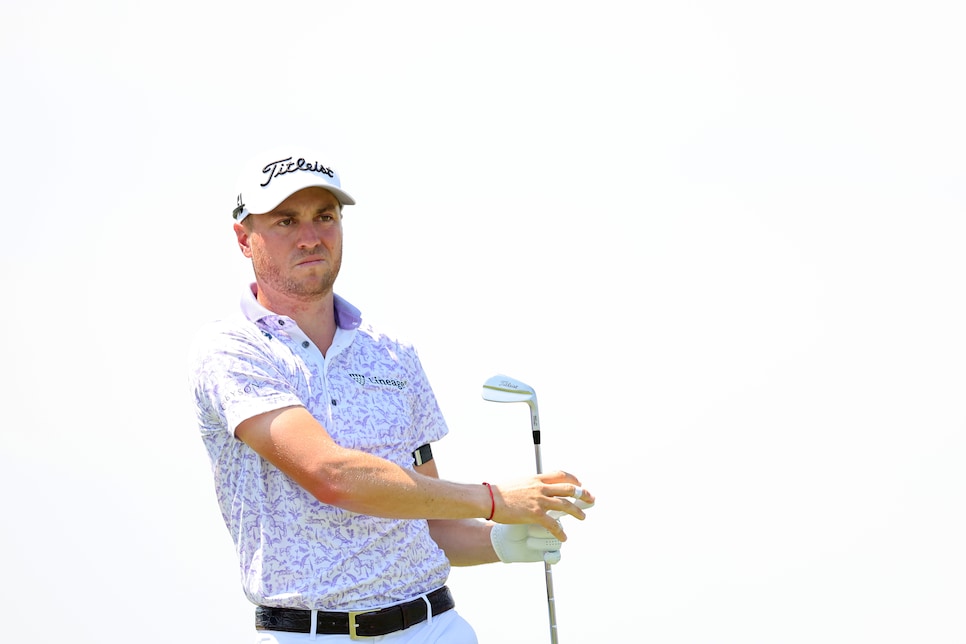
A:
{"x": 370, "y": 393}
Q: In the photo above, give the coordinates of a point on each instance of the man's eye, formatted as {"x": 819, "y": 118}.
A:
{"x": 284, "y": 222}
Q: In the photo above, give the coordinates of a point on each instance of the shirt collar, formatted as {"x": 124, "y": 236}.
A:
{"x": 347, "y": 316}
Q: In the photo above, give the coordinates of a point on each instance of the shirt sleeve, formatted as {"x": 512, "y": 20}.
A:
{"x": 429, "y": 423}
{"x": 236, "y": 376}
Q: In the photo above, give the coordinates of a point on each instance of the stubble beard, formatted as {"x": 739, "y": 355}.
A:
{"x": 309, "y": 288}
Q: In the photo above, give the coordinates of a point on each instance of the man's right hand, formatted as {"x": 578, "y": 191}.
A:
{"x": 541, "y": 500}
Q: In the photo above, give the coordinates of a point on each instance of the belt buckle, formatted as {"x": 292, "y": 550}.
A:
{"x": 352, "y": 624}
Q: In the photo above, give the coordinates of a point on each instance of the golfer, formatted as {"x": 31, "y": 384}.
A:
{"x": 319, "y": 429}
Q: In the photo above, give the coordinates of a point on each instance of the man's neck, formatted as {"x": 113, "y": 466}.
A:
{"x": 315, "y": 317}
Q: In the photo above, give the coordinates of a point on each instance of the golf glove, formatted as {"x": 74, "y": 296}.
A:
{"x": 514, "y": 543}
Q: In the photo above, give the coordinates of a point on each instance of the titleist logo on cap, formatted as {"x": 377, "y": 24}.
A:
{"x": 286, "y": 165}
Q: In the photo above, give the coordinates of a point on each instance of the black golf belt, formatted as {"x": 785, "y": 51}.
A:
{"x": 355, "y": 624}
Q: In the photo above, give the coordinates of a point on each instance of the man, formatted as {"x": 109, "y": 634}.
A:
{"x": 319, "y": 427}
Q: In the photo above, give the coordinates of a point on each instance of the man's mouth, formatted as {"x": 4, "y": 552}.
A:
{"x": 310, "y": 261}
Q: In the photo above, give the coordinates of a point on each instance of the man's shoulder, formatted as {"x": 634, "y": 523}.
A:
{"x": 231, "y": 325}
{"x": 214, "y": 335}
{"x": 376, "y": 335}
{"x": 374, "y": 345}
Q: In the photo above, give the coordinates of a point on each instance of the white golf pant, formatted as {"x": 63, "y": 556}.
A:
{"x": 445, "y": 628}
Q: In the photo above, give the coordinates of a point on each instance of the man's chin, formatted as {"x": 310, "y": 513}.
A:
{"x": 317, "y": 288}
{"x": 305, "y": 290}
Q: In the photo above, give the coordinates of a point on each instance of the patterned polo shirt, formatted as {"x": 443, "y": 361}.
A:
{"x": 371, "y": 394}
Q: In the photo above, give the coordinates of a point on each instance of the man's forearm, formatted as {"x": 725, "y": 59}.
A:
{"x": 465, "y": 542}
{"x": 367, "y": 484}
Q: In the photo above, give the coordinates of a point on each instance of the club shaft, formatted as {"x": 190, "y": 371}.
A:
{"x": 547, "y": 569}
{"x": 550, "y": 603}
{"x": 504, "y": 389}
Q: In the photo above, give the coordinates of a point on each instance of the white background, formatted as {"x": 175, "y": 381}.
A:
{"x": 723, "y": 241}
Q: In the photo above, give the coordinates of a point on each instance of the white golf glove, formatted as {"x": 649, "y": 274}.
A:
{"x": 528, "y": 542}
{"x": 514, "y": 543}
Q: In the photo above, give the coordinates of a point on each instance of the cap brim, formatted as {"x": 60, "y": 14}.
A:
{"x": 259, "y": 204}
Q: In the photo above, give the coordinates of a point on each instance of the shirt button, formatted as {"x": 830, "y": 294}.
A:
{"x": 334, "y": 402}
{"x": 305, "y": 344}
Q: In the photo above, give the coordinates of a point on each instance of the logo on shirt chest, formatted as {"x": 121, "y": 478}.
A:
{"x": 375, "y": 381}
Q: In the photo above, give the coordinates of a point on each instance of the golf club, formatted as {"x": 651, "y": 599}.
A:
{"x": 504, "y": 389}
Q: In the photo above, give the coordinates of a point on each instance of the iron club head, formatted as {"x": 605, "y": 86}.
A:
{"x": 505, "y": 389}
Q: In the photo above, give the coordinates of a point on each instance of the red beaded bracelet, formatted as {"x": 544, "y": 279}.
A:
{"x": 492, "y": 501}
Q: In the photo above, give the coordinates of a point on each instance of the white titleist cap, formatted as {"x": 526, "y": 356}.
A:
{"x": 268, "y": 179}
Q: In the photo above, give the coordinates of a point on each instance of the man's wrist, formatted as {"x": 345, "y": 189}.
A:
{"x": 489, "y": 488}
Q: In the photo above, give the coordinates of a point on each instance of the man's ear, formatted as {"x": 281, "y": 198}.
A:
{"x": 241, "y": 234}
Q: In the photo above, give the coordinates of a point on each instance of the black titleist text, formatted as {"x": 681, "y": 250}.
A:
{"x": 284, "y": 166}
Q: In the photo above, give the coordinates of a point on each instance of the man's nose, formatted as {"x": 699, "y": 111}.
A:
{"x": 309, "y": 236}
